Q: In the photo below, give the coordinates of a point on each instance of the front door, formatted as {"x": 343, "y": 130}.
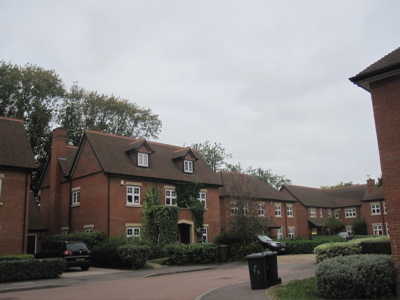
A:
{"x": 184, "y": 233}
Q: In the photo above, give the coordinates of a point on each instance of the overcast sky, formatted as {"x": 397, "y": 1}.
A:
{"x": 266, "y": 79}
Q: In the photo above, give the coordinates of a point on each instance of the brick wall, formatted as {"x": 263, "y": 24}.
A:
{"x": 386, "y": 104}
{"x": 14, "y": 209}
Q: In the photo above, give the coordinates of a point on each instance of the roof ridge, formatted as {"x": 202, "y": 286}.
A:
{"x": 12, "y": 119}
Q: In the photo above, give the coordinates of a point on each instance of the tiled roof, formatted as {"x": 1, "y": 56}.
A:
{"x": 15, "y": 149}
{"x": 386, "y": 66}
{"x": 375, "y": 195}
{"x": 330, "y": 198}
{"x": 110, "y": 150}
{"x": 66, "y": 162}
{"x": 237, "y": 185}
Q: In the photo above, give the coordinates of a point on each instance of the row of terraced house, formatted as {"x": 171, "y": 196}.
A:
{"x": 101, "y": 185}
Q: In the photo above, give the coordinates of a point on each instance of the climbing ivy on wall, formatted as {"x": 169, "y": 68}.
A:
{"x": 186, "y": 194}
{"x": 159, "y": 222}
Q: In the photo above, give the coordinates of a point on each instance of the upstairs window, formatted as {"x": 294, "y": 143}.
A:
{"x": 132, "y": 195}
{"x": 336, "y": 211}
{"x": 202, "y": 197}
{"x": 234, "y": 208}
{"x": 143, "y": 159}
{"x": 375, "y": 209}
{"x": 188, "y": 166}
{"x": 170, "y": 197}
{"x": 246, "y": 209}
{"x": 290, "y": 211}
{"x": 76, "y": 197}
{"x": 278, "y": 211}
{"x": 329, "y": 212}
{"x": 204, "y": 235}
{"x": 350, "y": 212}
{"x": 313, "y": 213}
{"x": 261, "y": 209}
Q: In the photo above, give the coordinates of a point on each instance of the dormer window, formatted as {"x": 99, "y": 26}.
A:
{"x": 143, "y": 159}
{"x": 188, "y": 167}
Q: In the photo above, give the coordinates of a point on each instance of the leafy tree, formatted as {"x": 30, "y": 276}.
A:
{"x": 214, "y": 155}
{"x": 333, "y": 225}
{"x": 339, "y": 185}
{"x": 90, "y": 110}
{"x": 359, "y": 227}
{"x": 32, "y": 94}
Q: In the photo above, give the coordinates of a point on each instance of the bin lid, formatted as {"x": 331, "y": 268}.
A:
{"x": 255, "y": 255}
{"x": 270, "y": 253}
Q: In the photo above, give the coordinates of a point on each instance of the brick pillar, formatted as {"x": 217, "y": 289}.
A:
{"x": 370, "y": 185}
{"x": 58, "y": 149}
{"x": 386, "y": 103}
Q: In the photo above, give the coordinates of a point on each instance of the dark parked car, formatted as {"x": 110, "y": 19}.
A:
{"x": 271, "y": 245}
{"x": 76, "y": 254}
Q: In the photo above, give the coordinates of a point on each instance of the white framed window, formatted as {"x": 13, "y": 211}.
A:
{"x": 202, "y": 197}
{"x": 132, "y": 232}
{"x": 76, "y": 197}
{"x": 289, "y": 209}
{"x": 88, "y": 230}
{"x": 188, "y": 166}
{"x": 329, "y": 212}
{"x": 291, "y": 233}
{"x": 234, "y": 208}
{"x": 261, "y": 209}
{"x": 245, "y": 209}
{"x": 132, "y": 194}
{"x": 375, "y": 209}
{"x": 143, "y": 159}
{"x": 170, "y": 197}
{"x": 350, "y": 212}
{"x": 278, "y": 210}
{"x": 321, "y": 213}
{"x": 313, "y": 213}
{"x": 387, "y": 229}
{"x": 349, "y": 230}
{"x": 377, "y": 228}
{"x": 384, "y": 206}
{"x": 336, "y": 211}
{"x": 279, "y": 234}
{"x": 204, "y": 235}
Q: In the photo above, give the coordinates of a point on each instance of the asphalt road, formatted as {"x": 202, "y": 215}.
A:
{"x": 205, "y": 282}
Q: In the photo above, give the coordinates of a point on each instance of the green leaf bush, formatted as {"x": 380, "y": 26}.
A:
{"x": 134, "y": 256}
{"x": 90, "y": 239}
{"x": 29, "y": 269}
{"x": 182, "y": 254}
{"x": 365, "y": 276}
{"x": 241, "y": 250}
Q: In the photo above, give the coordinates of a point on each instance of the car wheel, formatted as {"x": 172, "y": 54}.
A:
{"x": 85, "y": 268}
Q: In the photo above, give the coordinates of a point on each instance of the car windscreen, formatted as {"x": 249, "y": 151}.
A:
{"x": 76, "y": 246}
{"x": 52, "y": 246}
{"x": 264, "y": 238}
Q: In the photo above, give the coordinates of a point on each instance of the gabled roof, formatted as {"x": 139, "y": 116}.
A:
{"x": 239, "y": 185}
{"x": 181, "y": 153}
{"x": 387, "y": 66}
{"x": 66, "y": 162}
{"x": 110, "y": 151}
{"x": 330, "y": 198}
{"x": 375, "y": 195}
{"x": 15, "y": 149}
{"x": 135, "y": 146}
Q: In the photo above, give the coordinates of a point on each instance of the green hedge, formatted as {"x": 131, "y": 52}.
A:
{"x": 182, "y": 254}
{"x": 90, "y": 239}
{"x": 365, "y": 276}
{"x": 18, "y": 270}
{"x": 16, "y": 257}
{"x": 370, "y": 245}
{"x": 134, "y": 256}
{"x": 240, "y": 251}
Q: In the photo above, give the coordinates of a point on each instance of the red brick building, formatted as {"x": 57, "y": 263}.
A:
{"x": 382, "y": 80}
{"x": 16, "y": 165}
{"x": 314, "y": 206}
{"x": 101, "y": 185}
{"x": 256, "y": 198}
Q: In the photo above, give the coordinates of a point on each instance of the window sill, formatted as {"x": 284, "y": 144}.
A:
{"x": 75, "y": 205}
{"x": 133, "y": 205}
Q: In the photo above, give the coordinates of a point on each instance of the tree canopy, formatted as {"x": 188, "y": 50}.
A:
{"x": 216, "y": 157}
{"x": 39, "y": 98}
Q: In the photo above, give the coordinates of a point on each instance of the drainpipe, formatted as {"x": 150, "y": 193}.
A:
{"x": 383, "y": 218}
{"x": 25, "y": 208}
{"x": 109, "y": 206}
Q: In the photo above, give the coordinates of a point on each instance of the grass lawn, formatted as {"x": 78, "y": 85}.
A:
{"x": 297, "y": 289}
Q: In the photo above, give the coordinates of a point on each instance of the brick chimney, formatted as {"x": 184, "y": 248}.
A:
{"x": 58, "y": 149}
{"x": 371, "y": 185}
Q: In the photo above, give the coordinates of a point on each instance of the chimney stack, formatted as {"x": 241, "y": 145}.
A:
{"x": 370, "y": 185}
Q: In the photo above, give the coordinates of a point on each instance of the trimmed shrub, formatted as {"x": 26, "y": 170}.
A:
{"x": 240, "y": 251}
{"x": 28, "y": 269}
{"x": 379, "y": 245}
{"x": 177, "y": 254}
{"x": 182, "y": 254}
{"x": 133, "y": 255}
{"x": 90, "y": 239}
{"x": 336, "y": 249}
{"x": 364, "y": 276}
{"x": 106, "y": 255}
{"x": 17, "y": 257}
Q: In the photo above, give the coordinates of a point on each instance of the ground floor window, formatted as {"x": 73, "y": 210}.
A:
{"x": 387, "y": 229}
{"x": 133, "y": 232}
{"x": 204, "y": 235}
{"x": 291, "y": 233}
{"x": 279, "y": 234}
{"x": 377, "y": 229}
